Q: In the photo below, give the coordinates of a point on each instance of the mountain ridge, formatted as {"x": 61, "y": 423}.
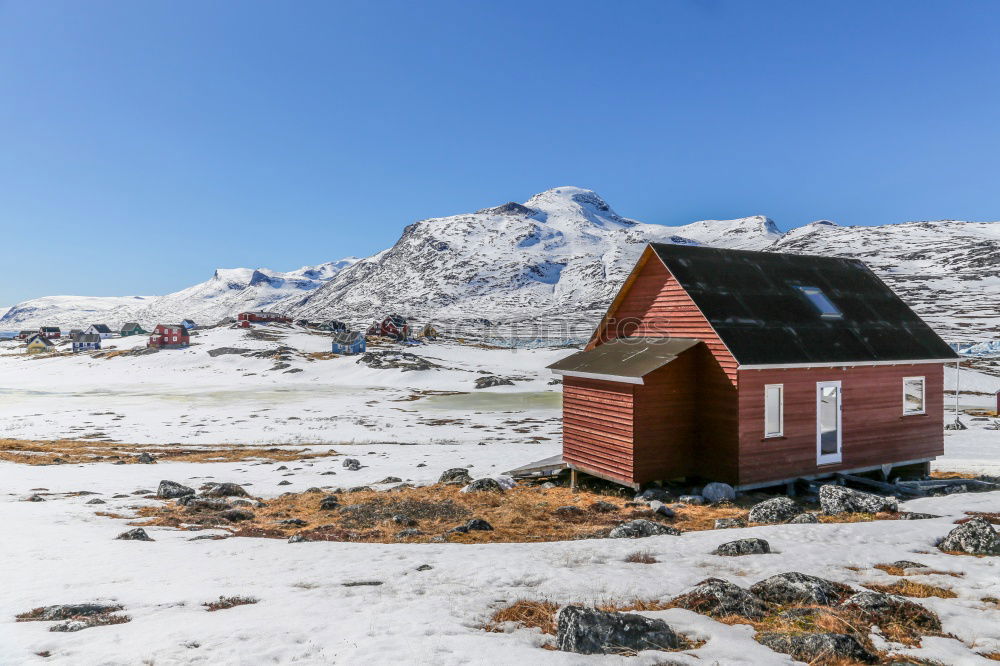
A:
{"x": 563, "y": 254}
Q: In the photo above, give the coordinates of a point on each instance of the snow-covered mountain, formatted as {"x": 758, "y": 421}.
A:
{"x": 229, "y": 291}
{"x": 563, "y": 254}
{"x": 559, "y": 258}
{"x": 77, "y": 311}
{"x": 948, "y": 271}
{"x": 564, "y": 250}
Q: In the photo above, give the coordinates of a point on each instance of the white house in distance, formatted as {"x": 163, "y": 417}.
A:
{"x": 86, "y": 342}
{"x": 98, "y": 329}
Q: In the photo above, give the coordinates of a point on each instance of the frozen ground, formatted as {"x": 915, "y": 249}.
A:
{"x": 397, "y": 423}
{"x": 188, "y": 396}
{"x": 59, "y": 551}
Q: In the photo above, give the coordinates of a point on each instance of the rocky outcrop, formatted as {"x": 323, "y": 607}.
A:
{"x": 878, "y": 608}
{"x": 720, "y": 598}
{"x": 818, "y": 648}
{"x": 774, "y": 510}
{"x": 590, "y": 631}
{"x": 718, "y": 492}
{"x": 799, "y": 588}
{"x": 637, "y": 529}
{"x": 836, "y": 500}
{"x": 172, "y": 490}
{"x": 752, "y": 546}
{"x": 976, "y": 537}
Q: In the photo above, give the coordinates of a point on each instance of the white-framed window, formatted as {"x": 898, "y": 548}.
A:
{"x": 914, "y": 400}
{"x": 774, "y": 410}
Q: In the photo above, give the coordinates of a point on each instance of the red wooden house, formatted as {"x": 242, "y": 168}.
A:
{"x": 260, "y": 317}
{"x": 169, "y": 336}
{"x": 755, "y": 369}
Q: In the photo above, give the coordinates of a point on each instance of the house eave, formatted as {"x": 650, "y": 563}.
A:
{"x": 593, "y": 375}
{"x": 844, "y": 364}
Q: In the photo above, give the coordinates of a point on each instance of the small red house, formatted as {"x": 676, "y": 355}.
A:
{"x": 260, "y": 317}
{"x": 752, "y": 368}
{"x": 394, "y": 326}
{"x": 169, "y": 336}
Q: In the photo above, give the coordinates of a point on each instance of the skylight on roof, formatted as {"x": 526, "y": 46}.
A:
{"x": 820, "y": 301}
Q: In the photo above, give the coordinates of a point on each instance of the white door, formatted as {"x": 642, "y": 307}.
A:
{"x": 828, "y": 430}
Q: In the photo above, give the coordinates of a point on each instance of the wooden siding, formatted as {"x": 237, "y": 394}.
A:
{"x": 665, "y": 413}
{"x": 654, "y": 304}
{"x": 598, "y": 426}
{"x": 874, "y": 430}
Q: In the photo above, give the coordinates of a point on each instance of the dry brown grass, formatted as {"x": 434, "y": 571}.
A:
{"x": 641, "y": 557}
{"x": 74, "y": 451}
{"x": 229, "y": 602}
{"x": 321, "y": 356}
{"x": 893, "y": 570}
{"x": 910, "y": 588}
{"x": 523, "y": 514}
{"x": 529, "y": 613}
{"x": 992, "y": 656}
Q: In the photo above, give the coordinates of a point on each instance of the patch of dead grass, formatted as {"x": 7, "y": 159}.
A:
{"x": 229, "y": 602}
{"x": 911, "y": 588}
{"x": 641, "y": 557}
{"x": 893, "y": 570}
{"x": 528, "y": 613}
{"x": 75, "y": 451}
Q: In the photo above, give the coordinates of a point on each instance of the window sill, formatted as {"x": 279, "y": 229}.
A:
{"x": 912, "y": 414}
{"x": 768, "y": 438}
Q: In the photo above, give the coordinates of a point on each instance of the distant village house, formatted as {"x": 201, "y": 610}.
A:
{"x": 86, "y": 342}
{"x": 261, "y": 317}
{"x": 101, "y": 330}
{"x": 132, "y": 328}
{"x": 348, "y": 342}
{"x": 39, "y": 344}
{"x": 169, "y": 336}
{"x": 51, "y": 332}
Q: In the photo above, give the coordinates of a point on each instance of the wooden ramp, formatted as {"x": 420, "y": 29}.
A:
{"x": 545, "y": 467}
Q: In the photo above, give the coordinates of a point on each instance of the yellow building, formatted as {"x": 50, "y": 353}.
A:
{"x": 39, "y": 344}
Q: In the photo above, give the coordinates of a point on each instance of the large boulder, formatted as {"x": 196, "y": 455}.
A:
{"x": 798, "y": 588}
{"x": 818, "y": 648}
{"x": 774, "y": 510}
{"x": 636, "y": 529}
{"x": 751, "y": 546}
{"x": 172, "y": 490}
{"x": 224, "y": 490}
{"x": 137, "y": 534}
{"x": 654, "y": 493}
{"x": 484, "y": 485}
{"x": 720, "y": 598}
{"x": 727, "y": 523}
{"x": 880, "y": 608}
{"x": 976, "y": 537}
{"x": 836, "y": 500}
{"x": 458, "y": 476}
{"x": 718, "y": 492}
{"x": 590, "y": 631}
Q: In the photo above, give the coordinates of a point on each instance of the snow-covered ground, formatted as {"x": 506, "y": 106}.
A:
{"x": 306, "y": 615}
{"x": 188, "y": 396}
{"x": 399, "y": 424}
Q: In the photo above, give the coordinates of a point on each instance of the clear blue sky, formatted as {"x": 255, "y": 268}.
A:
{"x": 146, "y": 143}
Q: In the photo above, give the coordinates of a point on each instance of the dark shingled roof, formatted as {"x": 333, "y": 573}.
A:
{"x": 625, "y": 357}
{"x": 753, "y": 303}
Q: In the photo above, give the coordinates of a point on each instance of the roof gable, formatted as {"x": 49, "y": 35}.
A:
{"x": 754, "y": 302}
